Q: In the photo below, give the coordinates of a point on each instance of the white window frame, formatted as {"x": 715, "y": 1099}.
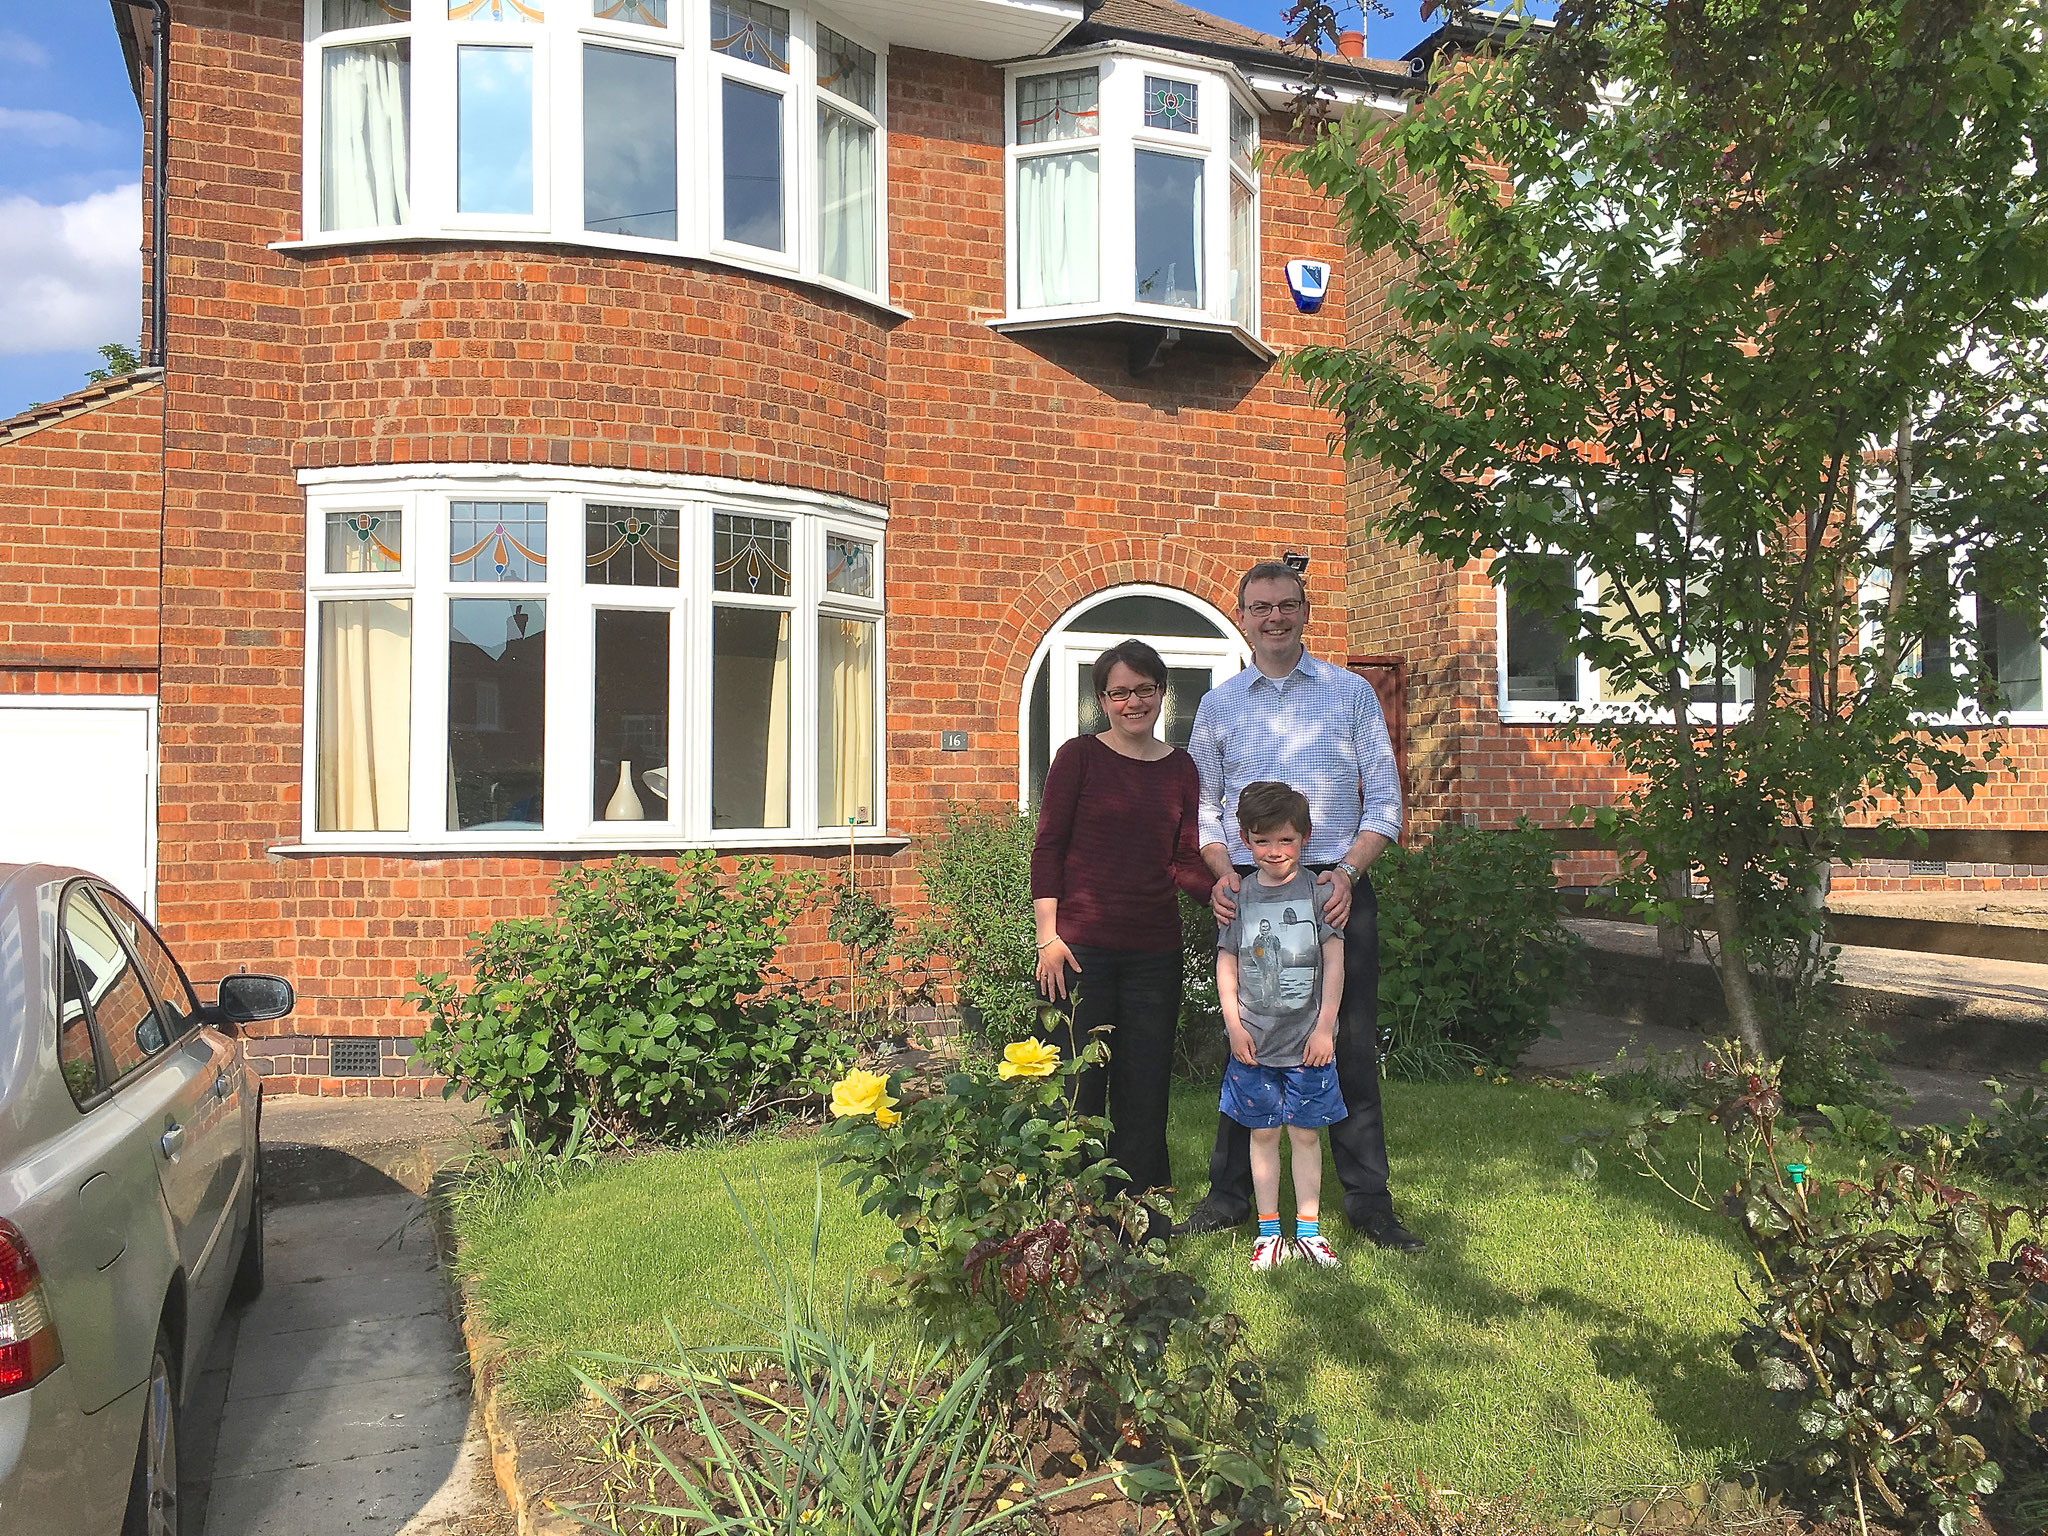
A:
{"x": 1968, "y": 713}
{"x": 571, "y": 821}
{"x": 1121, "y": 134}
{"x": 558, "y": 46}
{"x": 1590, "y": 708}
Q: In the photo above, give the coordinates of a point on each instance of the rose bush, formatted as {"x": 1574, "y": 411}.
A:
{"x": 1008, "y": 1242}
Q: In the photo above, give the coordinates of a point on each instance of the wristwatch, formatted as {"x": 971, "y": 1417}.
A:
{"x": 1352, "y": 871}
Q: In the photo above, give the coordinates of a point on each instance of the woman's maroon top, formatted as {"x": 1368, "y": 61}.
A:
{"x": 1115, "y": 836}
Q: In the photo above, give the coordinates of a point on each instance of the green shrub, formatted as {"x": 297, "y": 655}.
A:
{"x": 1472, "y": 953}
{"x": 1902, "y": 1318}
{"x": 977, "y": 876}
{"x": 1008, "y": 1242}
{"x": 652, "y": 1001}
{"x": 2012, "y": 1145}
{"x": 1199, "y": 1045}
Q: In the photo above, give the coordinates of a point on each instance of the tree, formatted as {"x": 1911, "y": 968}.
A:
{"x": 1742, "y": 307}
{"x": 119, "y": 357}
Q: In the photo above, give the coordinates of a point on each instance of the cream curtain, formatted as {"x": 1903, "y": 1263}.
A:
{"x": 365, "y": 752}
{"x": 365, "y": 96}
{"x": 1244, "y": 282}
{"x": 1056, "y": 230}
{"x": 846, "y": 192}
{"x": 750, "y": 689}
{"x": 846, "y": 722}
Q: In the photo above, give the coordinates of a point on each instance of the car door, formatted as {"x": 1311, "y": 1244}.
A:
{"x": 169, "y": 1075}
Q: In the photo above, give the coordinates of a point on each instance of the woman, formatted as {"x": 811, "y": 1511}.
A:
{"x": 1116, "y": 835}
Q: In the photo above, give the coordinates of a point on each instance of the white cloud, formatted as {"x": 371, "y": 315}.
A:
{"x": 16, "y": 49}
{"x": 70, "y": 273}
{"x": 52, "y": 130}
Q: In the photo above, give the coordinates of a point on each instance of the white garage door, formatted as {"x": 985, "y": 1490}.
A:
{"x": 78, "y": 786}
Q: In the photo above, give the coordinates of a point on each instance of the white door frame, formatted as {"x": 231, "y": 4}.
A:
{"x": 1225, "y": 655}
{"x": 147, "y": 704}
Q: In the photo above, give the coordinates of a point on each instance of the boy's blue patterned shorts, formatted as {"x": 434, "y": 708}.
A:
{"x": 1259, "y": 1098}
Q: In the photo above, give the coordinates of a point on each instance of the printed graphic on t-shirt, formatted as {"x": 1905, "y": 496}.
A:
{"x": 1279, "y": 960}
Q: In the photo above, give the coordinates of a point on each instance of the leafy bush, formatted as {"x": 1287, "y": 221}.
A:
{"x": 977, "y": 875}
{"x": 652, "y": 1001}
{"x": 1902, "y": 1318}
{"x": 1472, "y": 953}
{"x": 2013, "y": 1144}
{"x": 1009, "y": 1239}
{"x": 1199, "y": 1045}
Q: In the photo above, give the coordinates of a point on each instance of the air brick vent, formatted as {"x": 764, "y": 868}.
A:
{"x": 352, "y": 1058}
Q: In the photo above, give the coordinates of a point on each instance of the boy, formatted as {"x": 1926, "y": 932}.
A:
{"x": 1280, "y": 977}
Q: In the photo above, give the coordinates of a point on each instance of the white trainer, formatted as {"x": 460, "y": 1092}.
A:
{"x": 1317, "y": 1250}
{"x": 1269, "y": 1253}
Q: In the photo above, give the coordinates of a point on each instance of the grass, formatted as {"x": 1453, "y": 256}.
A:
{"x": 1568, "y": 1334}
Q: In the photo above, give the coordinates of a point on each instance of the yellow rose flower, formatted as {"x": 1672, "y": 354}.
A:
{"x": 1029, "y": 1058}
{"x": 863, "y": 1093}
{"x": 886, "y": 1117}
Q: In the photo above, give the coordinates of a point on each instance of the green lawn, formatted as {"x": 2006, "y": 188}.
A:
{"x": 1573, "y": 1334}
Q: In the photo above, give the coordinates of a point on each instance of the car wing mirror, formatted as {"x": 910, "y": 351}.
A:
{"x": 247, "y": 999}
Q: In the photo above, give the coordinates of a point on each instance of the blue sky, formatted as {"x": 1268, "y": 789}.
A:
{"x": 70, "y": 193}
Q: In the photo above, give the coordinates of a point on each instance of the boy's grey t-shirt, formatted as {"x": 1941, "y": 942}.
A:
{"x": 1278, "y": 934}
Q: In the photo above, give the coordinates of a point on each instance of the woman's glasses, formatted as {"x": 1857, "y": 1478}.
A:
{"x": 1144, "y": 693}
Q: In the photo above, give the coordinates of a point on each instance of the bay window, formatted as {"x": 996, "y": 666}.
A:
{"x": 737, "y": 130}
{"x": 530, "y": 657}
{"x": 1133, "y": 193}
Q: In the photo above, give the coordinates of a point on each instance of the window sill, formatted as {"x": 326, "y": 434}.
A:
{"x": 502, "y": 846}
{"x": 1151, "y": 334}
{"x": 661, "y": 251}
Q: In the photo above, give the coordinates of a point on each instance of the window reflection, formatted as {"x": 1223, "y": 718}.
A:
{"x": 497, "y": 708}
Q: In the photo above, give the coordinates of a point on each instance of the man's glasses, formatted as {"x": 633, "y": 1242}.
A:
{"x": 1287, "y": 609}
{"x": 1144, "y": 693}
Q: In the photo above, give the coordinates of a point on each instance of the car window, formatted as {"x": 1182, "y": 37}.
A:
{"x": 119, "y": 1003}
{"x": 75, "y": 1055}
{"x": 174, "y": 1000}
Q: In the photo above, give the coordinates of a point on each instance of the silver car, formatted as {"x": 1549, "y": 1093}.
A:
{"x": 129, "y": 1200}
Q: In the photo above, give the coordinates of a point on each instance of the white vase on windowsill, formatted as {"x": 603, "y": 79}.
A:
{"x": 624, "y": 804}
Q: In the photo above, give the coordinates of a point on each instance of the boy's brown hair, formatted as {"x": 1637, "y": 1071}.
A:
{"x": 1269, "y": 805}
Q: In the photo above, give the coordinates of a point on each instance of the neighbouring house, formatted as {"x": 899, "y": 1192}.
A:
{"x": 578, "y": 427}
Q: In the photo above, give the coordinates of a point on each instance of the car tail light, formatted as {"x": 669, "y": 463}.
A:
{"x": 28, "y": 1334}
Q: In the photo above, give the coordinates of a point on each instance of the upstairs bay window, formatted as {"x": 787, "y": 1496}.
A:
{"x": 733, "y": 129}
{"x": 1133, "y": 193}
{"x": 529, "y": 658}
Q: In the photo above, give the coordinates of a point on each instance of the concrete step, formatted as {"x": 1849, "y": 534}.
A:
{"x": 1942, "y": 1012}
{"x": 337, "y": 1149}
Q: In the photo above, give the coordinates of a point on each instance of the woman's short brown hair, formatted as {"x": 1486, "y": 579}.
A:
{"x": 1269, "y": 805}
{"x": 1136, "y": 655}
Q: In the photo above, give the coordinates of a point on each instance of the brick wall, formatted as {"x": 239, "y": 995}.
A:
{"x": 79, "y": 503}
{"x": 1021, "y": 475}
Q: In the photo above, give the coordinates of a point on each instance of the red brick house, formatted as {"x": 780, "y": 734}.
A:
{"x": 591, "y": 426}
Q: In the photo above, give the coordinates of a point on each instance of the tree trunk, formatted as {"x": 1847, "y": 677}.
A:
{"x": 1731, "y": 962}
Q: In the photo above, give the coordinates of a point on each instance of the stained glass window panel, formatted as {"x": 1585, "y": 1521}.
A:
{"x": 645, "y": 13}
{"x": 845, "y": 68}
{"x": 1170, "y": 104}
{"x": 1244, "y": 136}
{"x": 630, "y": 546}
{"x": 849, "y": 565}
{"x": 497, "y": 541}
{"x": 1063, "y": 106}
{"x": 497, "y": 10}
{"x": 338, "y": 14}
{"x": 750, "y": 554}
{"x": 750, "y": 30}
{"x": 362, "y": 542}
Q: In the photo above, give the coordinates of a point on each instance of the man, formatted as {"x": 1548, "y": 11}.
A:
{"x": 1293, "y": 717}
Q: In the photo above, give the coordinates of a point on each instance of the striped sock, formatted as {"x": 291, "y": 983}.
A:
{"x": 1306, "y": 1227}
{"x": 1269, "y": 1226}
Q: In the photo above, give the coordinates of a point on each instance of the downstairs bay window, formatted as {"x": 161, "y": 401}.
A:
{"x": 511, "y": 658}
{"x": 1134, "y": 195}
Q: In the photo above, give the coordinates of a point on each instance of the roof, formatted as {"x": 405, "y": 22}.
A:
{"x": 79, "y": 401}
{"x": 1168, "y": 23}
{"x": 1478, "y": 27}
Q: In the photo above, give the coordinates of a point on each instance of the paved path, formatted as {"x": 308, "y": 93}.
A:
{"x": 1591, "y": 1042}
{"x": 345, "y": 1410}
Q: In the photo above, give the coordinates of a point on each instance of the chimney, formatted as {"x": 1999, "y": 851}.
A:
{"x": 1351, "y": 45}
